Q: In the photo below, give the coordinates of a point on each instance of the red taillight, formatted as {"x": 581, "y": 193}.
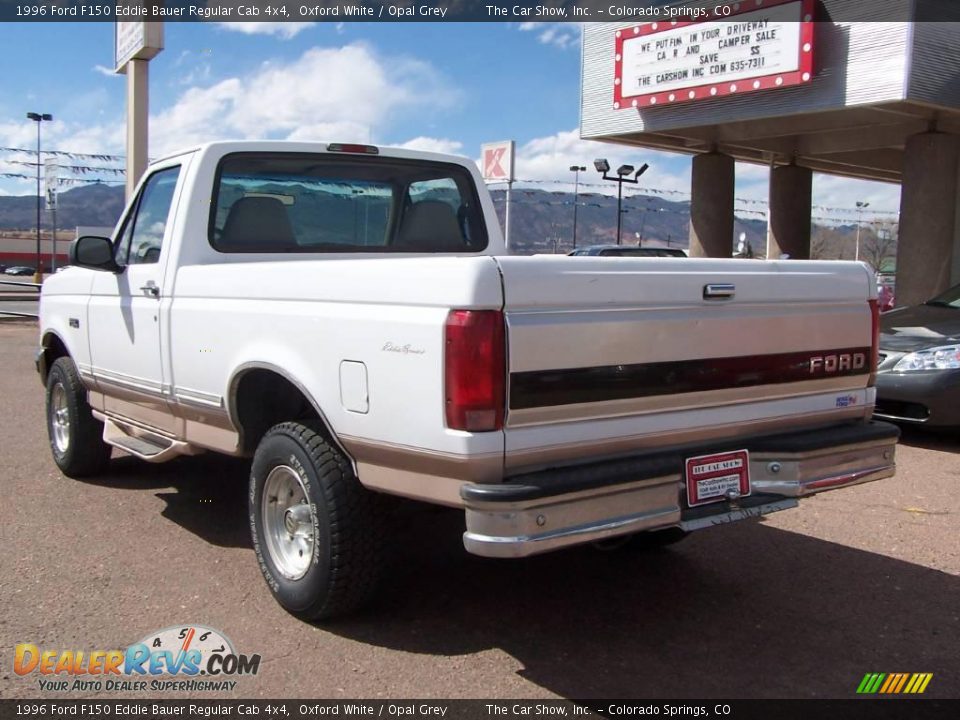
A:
{"x": 350, "y": 148}
{"x": 875, "y": 343}
{"x": 474, "y": 370}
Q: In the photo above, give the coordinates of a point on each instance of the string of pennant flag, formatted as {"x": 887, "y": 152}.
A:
{"x": 63, "y": 153}
{"x": 629, "y": 193}
{"x": 88, "y": 173}
{"x": 737, "y": 210}
{"x": 81, "y": 169}
{"x": 63, "y": 181}
{"x": 641, "y": 191}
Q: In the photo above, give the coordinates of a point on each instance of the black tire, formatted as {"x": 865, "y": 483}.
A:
{"x": 347, "y": 522}
{"x": 76, "y": 437}
{"x": 644, "y": 541}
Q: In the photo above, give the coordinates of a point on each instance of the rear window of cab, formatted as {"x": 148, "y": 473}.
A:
{"x": 338, "y": 203}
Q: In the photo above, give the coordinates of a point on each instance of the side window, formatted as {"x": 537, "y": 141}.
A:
{"x": 123, "y": 244}
{"x": 142, "y": 234}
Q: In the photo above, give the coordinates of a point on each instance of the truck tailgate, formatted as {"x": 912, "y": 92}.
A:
{"x": 611, "y": 355}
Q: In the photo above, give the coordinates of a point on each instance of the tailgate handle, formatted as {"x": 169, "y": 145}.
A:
{"x": 719, "y": 291}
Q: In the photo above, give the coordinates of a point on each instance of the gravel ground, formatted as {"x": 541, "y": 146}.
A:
{"x": 800, "y": 604}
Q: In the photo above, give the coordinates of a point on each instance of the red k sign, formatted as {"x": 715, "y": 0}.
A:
{"x": 491, "y": 162}
{"x": 497, "y": 160}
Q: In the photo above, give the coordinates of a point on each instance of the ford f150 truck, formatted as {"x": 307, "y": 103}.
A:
{"x": 346, "y": 316}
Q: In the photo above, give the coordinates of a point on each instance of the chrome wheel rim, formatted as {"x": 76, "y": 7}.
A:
{"x": 287, "y": 522}
{"x": 60, "y": 418}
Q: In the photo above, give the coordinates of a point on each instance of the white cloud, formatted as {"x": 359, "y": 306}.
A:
{"x": 283, "y": 30}
{"x": 104, "y": 138}
{"x": 198, "y": 74}
{"x": 561, "y": 35}
{"x": 752, "y": 183}
{"x": 103, "y": 70}
{"x": 550, "y": 158}
{"x": 837, "y": 198}
{"x": 346, "y": 94}
{"x": 437, "y": 145}
{"x": 22, "y": 134}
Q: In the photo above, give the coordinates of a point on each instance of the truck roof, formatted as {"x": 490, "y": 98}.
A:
{"x": 224, "y": 147}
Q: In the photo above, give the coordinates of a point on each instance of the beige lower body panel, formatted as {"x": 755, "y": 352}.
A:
{"x": 406, "y": 483}
{"x": 417, "y": 473}
{"x": 197, "y": 426}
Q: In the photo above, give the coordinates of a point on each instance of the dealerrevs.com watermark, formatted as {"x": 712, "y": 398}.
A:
{"x": 181, "y": 658}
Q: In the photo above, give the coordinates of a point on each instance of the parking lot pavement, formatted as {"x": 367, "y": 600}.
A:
{"x": 801, "y": 604}
{"x": 31, "y": 307}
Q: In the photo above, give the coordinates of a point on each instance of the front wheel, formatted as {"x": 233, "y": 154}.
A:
{"x": 317, "y": 532}
{"x": 76, "y": 437}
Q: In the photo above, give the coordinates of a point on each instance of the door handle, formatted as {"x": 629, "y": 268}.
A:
{"x": 719, "y": 291}
{"x": 151, "y": 289}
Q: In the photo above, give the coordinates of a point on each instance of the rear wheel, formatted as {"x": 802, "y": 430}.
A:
{"x": 317, "y": 532}
{"x": 76, "y": 437}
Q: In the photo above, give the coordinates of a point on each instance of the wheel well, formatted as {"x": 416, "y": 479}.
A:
{"x": 53, "y": 349}
{"x": 263, "y": 398}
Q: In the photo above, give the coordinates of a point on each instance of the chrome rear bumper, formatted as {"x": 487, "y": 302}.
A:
{"x": 551, "y": 509}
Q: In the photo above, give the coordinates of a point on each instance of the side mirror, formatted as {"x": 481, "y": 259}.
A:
{"x": 94, "y": 252}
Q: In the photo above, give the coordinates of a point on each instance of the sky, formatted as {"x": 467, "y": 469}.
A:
{"x": 444, "y": 87}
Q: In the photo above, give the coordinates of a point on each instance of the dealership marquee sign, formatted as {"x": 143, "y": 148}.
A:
{"x": 136, "y": 41}
{"x": 741, "y": 47}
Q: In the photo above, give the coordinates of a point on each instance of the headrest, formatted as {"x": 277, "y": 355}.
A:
{"x": 430, "y": 226}
{"x": 257, "y": 221}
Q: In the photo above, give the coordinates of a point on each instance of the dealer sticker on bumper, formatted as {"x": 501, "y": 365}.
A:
{"x": 712, "y": 478}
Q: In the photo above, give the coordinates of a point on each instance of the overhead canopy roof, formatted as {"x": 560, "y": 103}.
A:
{"x": 873, "y": 85}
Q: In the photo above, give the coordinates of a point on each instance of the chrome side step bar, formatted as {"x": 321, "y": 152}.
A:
{"x": 142, "y": 442}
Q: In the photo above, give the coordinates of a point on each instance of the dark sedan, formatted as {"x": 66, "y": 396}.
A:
{"x": 918, "y": 379}
{"x": 20, "y": 270}
{"x": 628, "y": 251}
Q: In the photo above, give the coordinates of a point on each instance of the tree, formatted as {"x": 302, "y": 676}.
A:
{"x": 880, "y": 245}
{"x": 818, "y": 244}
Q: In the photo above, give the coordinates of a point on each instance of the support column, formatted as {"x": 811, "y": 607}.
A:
{"x": 711, "y": 206}
{"x": 791, "y": 191}
{"x": 138, "y": 112}
{"x": 928, "y": 240}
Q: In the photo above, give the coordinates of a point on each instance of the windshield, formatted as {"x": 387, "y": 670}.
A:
{"x": 294, "y": 202}
{"x": 951, "y": 298}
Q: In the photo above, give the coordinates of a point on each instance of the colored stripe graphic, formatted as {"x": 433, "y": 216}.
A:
{"x": 903, "y": 680}
{"x": 894, "y": 683}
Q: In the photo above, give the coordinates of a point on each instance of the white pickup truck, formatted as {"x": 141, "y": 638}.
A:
{"x": 346, "y": 315}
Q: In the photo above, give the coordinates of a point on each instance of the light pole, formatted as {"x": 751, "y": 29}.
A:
{"x": 643, "y": 222}
{"x": 602, "y": 166}
{"x": 38, "y": 118}
{"x": 576, "y": 169}
{"x": 860, "y": 207}
{"x": 52, "y": 206}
